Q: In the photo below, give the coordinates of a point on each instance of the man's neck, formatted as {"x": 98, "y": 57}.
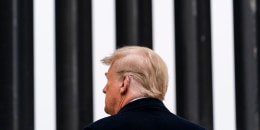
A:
{"x": 137, "y": 98}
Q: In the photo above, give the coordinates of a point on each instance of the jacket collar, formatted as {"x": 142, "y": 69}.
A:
{"x": 142, "y": 104}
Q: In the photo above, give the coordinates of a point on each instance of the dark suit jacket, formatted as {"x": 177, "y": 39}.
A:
{"x": 143, "y": 114}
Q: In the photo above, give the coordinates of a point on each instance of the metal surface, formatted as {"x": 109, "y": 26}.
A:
{"x": 16, "y": 67}
{"x": 246, "y": 67}
{"x": 133, "y": 23}
{"x": 193, "y": 61}
{"x": 73, "y": 64}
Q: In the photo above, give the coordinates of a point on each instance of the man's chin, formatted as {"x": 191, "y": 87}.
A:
{"x": 108, "y": 112}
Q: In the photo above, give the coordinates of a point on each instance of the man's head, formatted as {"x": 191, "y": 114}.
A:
{"x": 134, "y": 72}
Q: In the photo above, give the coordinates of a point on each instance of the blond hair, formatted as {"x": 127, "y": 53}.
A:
{"x": 144, "y": 65}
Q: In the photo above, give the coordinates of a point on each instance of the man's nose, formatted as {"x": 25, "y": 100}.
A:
{"x": 104, "y": 90}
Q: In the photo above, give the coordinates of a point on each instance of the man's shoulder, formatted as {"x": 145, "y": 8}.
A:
{"x": 103, "y": 123}
{"x": 125, "y": 121}
{"x": 188, "y": 125}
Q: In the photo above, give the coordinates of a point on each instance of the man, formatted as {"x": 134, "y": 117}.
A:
{"x": 136, "y": 85}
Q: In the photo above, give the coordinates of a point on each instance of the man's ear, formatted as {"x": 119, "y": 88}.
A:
{"x": 125, "y": 84}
